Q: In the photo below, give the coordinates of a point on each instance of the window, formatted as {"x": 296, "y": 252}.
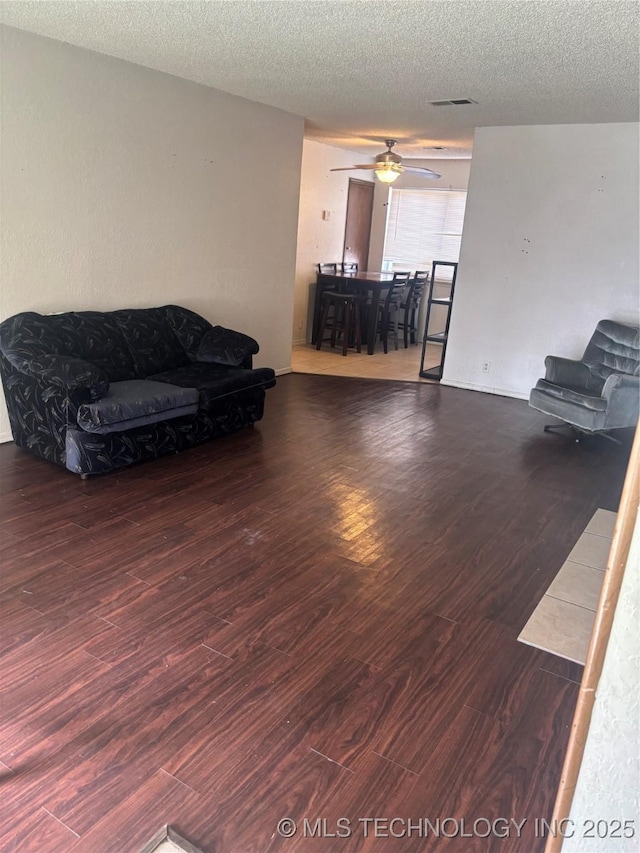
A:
{"x": 423, "y": 226}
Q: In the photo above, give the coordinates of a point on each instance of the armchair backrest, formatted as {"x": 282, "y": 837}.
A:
{"x": 613, "y": 348}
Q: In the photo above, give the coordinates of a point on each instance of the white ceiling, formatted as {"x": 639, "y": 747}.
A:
{"x": 360, "y": 71}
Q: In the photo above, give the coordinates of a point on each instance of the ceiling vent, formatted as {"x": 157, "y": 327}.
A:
{"x": 435, "y": 148}
{"x": 456, "y": 102}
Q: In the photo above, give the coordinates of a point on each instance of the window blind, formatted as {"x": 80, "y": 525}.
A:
{"x": 423, "y": 226}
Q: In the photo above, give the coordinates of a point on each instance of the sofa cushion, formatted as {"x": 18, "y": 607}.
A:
{"x": 214, "y": 381}
{"x": 226, "y": 346}
{"x": 150, "y": 339}
{"x": 136, "y": 402}
{"x": 188, "y": 327}
{"x": 91, "y": 336}
{"x": 101, "y": 342}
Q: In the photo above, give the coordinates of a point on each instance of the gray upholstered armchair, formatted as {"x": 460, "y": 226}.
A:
{"x": 599, "y": 393}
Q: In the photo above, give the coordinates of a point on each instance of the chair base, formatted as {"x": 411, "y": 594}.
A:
{"x": 578, "y": 434}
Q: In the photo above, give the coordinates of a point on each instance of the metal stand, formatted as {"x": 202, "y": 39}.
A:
{"x": 437, "y": 337}
{"x": 578, "y": 434}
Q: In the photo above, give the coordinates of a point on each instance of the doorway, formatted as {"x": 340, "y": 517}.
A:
{"x": 398, "y": 365}
{"x": 357, "y": 232}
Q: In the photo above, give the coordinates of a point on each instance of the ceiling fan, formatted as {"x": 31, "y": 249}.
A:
{"x": 388, "y": 166}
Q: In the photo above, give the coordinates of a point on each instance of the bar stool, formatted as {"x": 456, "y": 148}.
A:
{"x": 322, "y": 269}
{"x": 388, "y": 310}
{"x": 410, "y": 305}
{"x": 346, "y": 310}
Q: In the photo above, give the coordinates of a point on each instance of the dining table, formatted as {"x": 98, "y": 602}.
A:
{"x": 366, "y": 282}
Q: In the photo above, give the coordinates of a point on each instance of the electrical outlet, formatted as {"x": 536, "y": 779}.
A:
{"x": 486, "y": 366}
{"x": 300, "y": 326}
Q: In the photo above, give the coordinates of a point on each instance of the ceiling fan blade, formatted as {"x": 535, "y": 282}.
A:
{"x": 426, "y": 173}
{"x": 351, "y": 168}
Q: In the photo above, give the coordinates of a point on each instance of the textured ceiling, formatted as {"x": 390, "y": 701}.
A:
{"x": 361, "y": 71}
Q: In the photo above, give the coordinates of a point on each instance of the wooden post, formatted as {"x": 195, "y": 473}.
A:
{"x": 625, "y": 523}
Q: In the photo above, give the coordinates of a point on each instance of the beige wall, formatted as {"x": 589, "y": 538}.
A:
{"x": 111, "y": 199}
{"x": 320, "y": 240}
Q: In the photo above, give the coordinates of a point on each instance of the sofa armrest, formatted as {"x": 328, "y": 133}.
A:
{"x": 71, "y": 374}
{"x": 227, "y": 347}
{"x": 566, "y": 371}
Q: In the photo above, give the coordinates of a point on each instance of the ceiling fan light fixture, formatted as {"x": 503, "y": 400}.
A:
{"x": 388, "y": 166}
{"x": 388, "y": 172}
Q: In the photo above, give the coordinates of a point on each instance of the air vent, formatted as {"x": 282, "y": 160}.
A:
{"x": 456, "y": 102}
{"x": 435, "y": 148}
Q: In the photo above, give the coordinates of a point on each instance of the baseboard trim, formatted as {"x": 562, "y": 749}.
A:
{"x": 5, "y": 437}
{"x": 284, "y": 370}
{"x": 485, "y": 389}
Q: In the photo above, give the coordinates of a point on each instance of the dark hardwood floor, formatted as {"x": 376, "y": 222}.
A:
{"x": 316, "y": 618}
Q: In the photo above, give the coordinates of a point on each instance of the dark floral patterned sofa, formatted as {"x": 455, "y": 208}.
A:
{"x": 95, "y": 391}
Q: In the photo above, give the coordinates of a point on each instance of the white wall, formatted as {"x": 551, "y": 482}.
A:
{"x": 550, "y": 246}
{"x": 111, "y": 197}
{"x": 609, "y": 779}
{"x": 320, "y": 240}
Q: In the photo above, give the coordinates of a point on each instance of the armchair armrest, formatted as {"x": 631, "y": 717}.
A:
{"x": 566, "y": 371}
{"x": 227, "y": 347}
{"x": 619, "y": 382}
{"x": 622, "y": 392}
{"x": 71, "y": 374}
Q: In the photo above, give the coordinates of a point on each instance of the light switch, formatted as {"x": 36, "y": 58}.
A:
{"x": 326, "y": 215}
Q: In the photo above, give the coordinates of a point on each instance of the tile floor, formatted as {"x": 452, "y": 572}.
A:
{"x": 401, "y": 365}
{"x": 166, "y": 840}
{"x": 563, "y": 621}
{"x": 168, "y": 846}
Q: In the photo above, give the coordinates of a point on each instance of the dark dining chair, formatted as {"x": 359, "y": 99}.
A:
{"x": 410, "y": 305}
{"x": 322, "y": 269}
{"x": 390, "y": 307}
{"x": 330, "y": 269}
{"x": 346, "y": 315}
{"x": 348, "y": 266}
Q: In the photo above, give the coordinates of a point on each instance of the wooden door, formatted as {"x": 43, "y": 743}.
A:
{"x": 357, "y": 232}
